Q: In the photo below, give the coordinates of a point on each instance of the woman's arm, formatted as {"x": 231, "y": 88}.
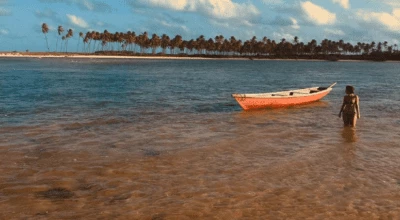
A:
{"x": 358, "y": 107}
{"x": 341, "y": 108}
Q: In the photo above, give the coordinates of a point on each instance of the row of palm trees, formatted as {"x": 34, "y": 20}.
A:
{"x": 60, "y": 31}
{"x": 143, "y": 43}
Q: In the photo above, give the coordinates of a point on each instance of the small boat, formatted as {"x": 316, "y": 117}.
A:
{"x": 283, "y": 98}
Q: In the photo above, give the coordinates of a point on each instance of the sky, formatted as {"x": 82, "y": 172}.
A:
{"x": 349, "y": 20}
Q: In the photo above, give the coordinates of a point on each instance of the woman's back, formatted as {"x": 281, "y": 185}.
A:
{"x": 350, "y": 102}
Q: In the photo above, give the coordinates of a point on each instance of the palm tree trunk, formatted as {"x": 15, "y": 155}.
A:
{"x": 57, "y": 44}
{"x": 45, "y": 36}
{"x": 94, "y": 46}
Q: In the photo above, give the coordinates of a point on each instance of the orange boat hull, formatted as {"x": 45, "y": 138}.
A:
{"x": 248, "y": 103}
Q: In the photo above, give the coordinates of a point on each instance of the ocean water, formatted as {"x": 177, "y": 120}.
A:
{"x": 164, "y": 139}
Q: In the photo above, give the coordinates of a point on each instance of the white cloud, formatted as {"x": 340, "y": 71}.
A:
{"x": 178, "y": 5}
{"x": 47, "y": 13}
{"x": 89, "y": 5}
{"x": 396, "y": 12}
{"x": 295, "y": 25}
{"x": 288, "y": 37}
{"x": 334, "y": 32}
{"x": 317, "y": 14}
{"x": 77, "y": 21}
{"x": 220, "y": 9}
{"x": 3, "y": 32}
{"x": 393, "y": 3}
{"x": 221, "y": 24}
{"x": 174, "y": 26}
{"x": 344, "y": 3}
{"x": 390, "y": 21}
{"x": 4, "y": 12}
{"x": 273, "y": 2}
{"x": 92, "y": 5}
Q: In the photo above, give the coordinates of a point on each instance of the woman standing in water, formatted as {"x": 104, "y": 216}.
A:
{"x": 350, "y": 109}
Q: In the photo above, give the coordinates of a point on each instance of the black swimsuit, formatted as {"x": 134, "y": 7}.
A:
{"x": 350, "y": 105}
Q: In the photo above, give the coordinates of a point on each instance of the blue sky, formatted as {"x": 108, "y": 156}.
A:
{"x": 351, "y": 20}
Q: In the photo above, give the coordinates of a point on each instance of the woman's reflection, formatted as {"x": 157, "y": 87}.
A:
{"x": 349, "y": 134}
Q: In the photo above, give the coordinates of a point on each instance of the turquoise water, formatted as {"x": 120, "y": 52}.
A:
{"x": 163, "y": 139}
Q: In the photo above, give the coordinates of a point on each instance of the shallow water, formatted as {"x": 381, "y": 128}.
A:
{"x": 159, "y": 139}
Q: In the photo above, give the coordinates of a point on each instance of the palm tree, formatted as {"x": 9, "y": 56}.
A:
{"x": 390, "y": 49}
{"x": 155, "y": 42}
{"x": 301, "y": 48}
{"x": 79, "y": 39}
{"x": 373, "y": 45}
{"x": 385, "y": 45}
{"x": 62, "y": 38}
{"x": 88, "y": 39}
{"x": 103, "y": 44}
{"x": 311, "y": 46}
{"x": 45, "y": 30}
{"x": 219, "y": 40}
{"x": 60, "y": 30}
{"x": 379, "y": 46}
{"x": 105, "y": 38}
{"x": 191, "y": 45}
{"x": 165, "y": 42}
{"x": 69, "y": 34}
{"x": 96, "y": 37}
{"x": 296, "y": 42}
{"x": 233, "y": 43}
{"x": 119, "y": 38}
{"x": 85, "y": 41}
{"x": 200, "y": 44}
{"x": 219, "y": 45}
{"x": 281, "y": 47}
{"x": 129, "y": 39}
{"x": 183, "y": 46}
{"x": 210, "y": 46}
{"x": 325, "y": 46}
{"x": 175, "y": 43}
{"x": 143, "y": 42}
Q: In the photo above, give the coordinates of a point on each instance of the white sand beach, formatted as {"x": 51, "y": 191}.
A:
{"x": 91, "y": 56}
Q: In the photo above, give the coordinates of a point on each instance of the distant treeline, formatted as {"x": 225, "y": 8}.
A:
{"x": 129, "y": 43}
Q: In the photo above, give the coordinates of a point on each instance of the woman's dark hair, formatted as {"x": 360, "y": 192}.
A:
{"x": 349, "y": 89}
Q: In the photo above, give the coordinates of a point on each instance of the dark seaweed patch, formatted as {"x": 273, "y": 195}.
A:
{"x": 151, "y": 153}
{"x": 56, "y": 193}
{"x": 158, "y": 217}
{"x": 120, "y": 198}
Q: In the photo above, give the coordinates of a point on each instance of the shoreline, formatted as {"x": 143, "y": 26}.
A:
{"x": 19, "y": 55}
{"x": 40, "y": 55}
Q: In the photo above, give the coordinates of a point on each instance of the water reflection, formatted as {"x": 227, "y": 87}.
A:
{"x": 349, "y": 135}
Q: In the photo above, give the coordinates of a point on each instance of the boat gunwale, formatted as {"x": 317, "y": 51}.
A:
{"x": 283, "y": 94}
